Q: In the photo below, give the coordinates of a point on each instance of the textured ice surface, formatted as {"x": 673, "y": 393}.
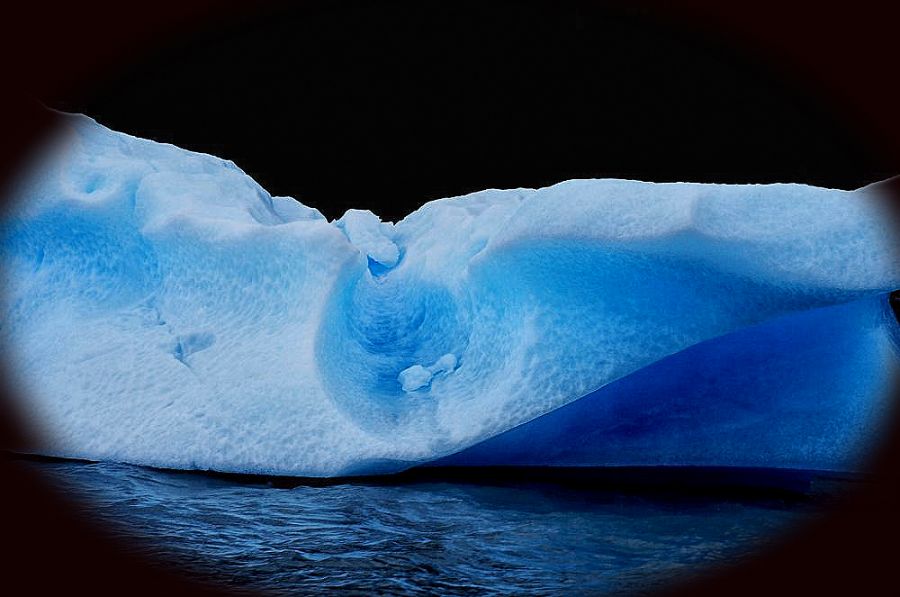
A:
{"x": 161, "y": 308}
{"x": 820, "y": 376}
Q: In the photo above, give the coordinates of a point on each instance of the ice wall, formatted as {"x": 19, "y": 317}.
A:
{"x": 161, "y": 308}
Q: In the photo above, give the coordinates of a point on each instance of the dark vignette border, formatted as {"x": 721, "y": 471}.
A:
{"x": 847, "y": 53}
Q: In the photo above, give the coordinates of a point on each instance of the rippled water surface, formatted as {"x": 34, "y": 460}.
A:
{"x": 422, "y": 537}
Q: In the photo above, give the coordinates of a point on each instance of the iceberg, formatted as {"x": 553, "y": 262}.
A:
{"x": 161, "y": 308}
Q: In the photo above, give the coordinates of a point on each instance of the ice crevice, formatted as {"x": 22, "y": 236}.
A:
{"x": 161, "y": 308}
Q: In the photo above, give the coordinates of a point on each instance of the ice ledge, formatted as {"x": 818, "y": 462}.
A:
{"x": 370, "y": 235}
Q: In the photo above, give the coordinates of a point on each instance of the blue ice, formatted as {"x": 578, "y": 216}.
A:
{"x": 161, "y": 308}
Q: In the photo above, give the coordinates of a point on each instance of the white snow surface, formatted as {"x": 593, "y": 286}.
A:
{"x": 161, "y": 308}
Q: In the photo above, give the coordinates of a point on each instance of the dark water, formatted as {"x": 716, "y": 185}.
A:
{"x": 423, "y": 537}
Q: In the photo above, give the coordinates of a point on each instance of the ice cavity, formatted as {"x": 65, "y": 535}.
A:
{"x": 161, "y": 308}
{"x": 417, "y": 376}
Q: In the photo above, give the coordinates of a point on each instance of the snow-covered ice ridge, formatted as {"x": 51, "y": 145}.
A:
{"x": 161, "y": 308}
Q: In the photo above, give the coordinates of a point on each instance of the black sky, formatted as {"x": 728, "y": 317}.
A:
{"x": 386, "y": 105}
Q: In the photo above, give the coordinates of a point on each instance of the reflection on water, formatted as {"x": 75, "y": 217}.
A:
{"x": 421, "y": 537}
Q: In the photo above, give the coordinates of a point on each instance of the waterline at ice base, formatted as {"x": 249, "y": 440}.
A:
{"x": 160, "y": 308}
